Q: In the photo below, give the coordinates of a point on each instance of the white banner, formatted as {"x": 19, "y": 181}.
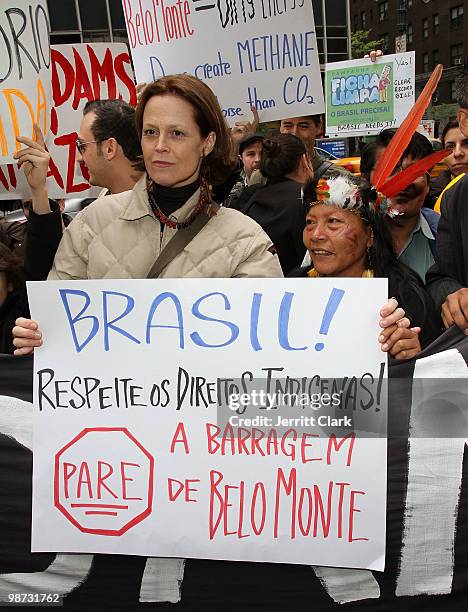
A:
{"x": 365, "y": 97}
{"x": 250, "y": 52}
{"x": 79, "y": 73}
{"x": 25, "y": 96}
{"x": 159, "y": 431}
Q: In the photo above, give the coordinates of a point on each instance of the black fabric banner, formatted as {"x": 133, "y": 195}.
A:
{"x": 411, "y": 581}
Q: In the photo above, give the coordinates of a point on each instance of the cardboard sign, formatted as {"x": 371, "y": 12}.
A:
{"x": 363, "y": 97}
{"x": 250, "y": 53}
{"x": 203, "y": 418}
{"x": 80, "y": 73}
{"x": 24, "y": 73}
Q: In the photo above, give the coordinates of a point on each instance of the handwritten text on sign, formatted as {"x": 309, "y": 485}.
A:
{"x": 250, "y": 52}
{"x": 80, "y": 74}
{"x": 364, "y": 97}
{"x": 210, "y": 418}
{"x": 24, "y": 72}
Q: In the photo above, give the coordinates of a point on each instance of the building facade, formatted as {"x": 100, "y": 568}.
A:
{"x": 74, "y": 21}
{"x": 437, "y": 30}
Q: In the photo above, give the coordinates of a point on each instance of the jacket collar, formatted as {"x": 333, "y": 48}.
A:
{"x": 139, "y": 207}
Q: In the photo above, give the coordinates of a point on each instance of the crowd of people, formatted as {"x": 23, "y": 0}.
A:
{"x": 183, "y": 196}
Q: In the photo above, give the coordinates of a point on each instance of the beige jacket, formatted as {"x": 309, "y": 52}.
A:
{"x": 117, "y": 236}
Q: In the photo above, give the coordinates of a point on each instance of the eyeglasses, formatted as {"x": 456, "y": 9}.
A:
{"x": 81, "y": 146}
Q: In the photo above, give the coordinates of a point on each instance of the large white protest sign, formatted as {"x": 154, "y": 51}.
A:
{"x": 159, "y": 431}
{"x": 24, "y": 72}
{"x": 79, "y": 73}
{"x": 365, "y": 97}
{"x": 250, "y": 52}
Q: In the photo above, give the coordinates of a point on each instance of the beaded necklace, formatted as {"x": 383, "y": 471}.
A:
{"x": 158, "y": 213}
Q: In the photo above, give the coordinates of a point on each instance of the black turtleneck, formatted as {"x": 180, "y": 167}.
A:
{"x": 169, "y": 199}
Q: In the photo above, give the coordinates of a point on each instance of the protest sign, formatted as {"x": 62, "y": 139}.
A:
{"x": 427, "y": 128}
{"x": 250, "y": 53}
{"x": 202, "y": 418}
{"x": 364, "y": 97}
{"x": 79, "y": 73}
{"x": 24, "y": 72}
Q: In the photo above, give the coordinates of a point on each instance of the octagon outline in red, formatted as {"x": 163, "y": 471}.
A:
{"x": 137, "y": 519}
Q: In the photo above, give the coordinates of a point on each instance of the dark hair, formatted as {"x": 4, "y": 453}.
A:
{"x": 10, "y": 264}
{"x": 281, "y": 155}
{"x": 451, "y": 125}
{"x": 419, "y": 147}
{"x": 207, "y": 114}
{"x": 317, "y": 119}
{"x": 461, "y": 90}
{"x": 115, "y": 119}
{"x": 403, "y": 283}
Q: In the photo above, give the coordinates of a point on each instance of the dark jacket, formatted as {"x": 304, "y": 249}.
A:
{"x": 417, "y": 304}
{"x": 14, "y": 306}
{"x": 44, "y": 233}
{"x": 437, "y": 186}
{"x": 450, "y": 272}
{"x": 432, "y": 219}
{"x": 277, "y": 208}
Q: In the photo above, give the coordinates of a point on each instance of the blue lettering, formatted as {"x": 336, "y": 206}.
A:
{"x": 254, "y": 314}
{"x": 64, "y": 293}
{"x": 196, "y": 312}
{"x": 156, "y": 302}
{"x": 283, "y": 323}
{"x": 110, "y": 324}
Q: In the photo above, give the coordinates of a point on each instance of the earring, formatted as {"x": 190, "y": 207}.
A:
{"x": 312, "y": 273}
{"x": 369, "y": 272}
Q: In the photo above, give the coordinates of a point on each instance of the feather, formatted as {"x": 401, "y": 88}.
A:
{"x": 389, "y": 159}
{"x": 399, "y": 182}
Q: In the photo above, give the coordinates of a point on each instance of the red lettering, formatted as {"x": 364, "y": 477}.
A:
{"x": 83, "y": 87}
{"x": 70, "y": 141}
{"x": 101, "y": 478}
{"x": 84, "y": 477}
{"x": 289, "y": 488}
{"x": 352, "y": 510}
{"x": 319, "y": 508}
{"x": 342, "y": 485}
{"x": 304, "y": 445}
{"x": 309, "y": 512}
{"x": 170, "y": 490}
{"x": 126, "y": 478}
{"x": 125, "y": 78}
{"x": 241, "y": 535}
{"x": 180, "y": 430}
{"x": 128, "y": 19}
{"x": 213, "y": 445}
{"x": 258, "y": 487}
{"x": 102, "y": 73}
{"x": 227, "y": 505}
{"x": 60, "y": 61}
{"x": 332, "y": 444}
{"x": 189, "y": 490}
{"x": 215, "y": 479}
{"x": 67, "y": 475}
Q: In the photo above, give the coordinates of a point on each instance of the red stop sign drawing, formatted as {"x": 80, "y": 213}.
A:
{"x": 103, "y": 481}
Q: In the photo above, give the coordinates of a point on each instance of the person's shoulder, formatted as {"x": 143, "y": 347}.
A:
{"x": 106, "y": 208}
{"x": 300, "y": 272}
{"x": 455, "y": 194}
{"x": 229, "y": 221}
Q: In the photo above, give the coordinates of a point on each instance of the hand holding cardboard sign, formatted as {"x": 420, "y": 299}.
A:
{"x": 242, "y": 129}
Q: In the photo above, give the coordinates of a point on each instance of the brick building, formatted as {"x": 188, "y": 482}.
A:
{"x": 437, "y": 30}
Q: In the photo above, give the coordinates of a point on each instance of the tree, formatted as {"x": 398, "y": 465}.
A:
{"x": 361, "y": 45}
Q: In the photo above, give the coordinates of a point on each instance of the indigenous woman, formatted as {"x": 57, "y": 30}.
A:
{"x": 345, "y": 238}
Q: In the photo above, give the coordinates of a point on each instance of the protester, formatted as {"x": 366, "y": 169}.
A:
{"x": 13, "y": 302}
{"x": 447, "y": 280}
{"x": 412, "y": 226}
{"x": 250, "y": 153}
{"x": 277, "y": 206}
{"x": 308, "y": 128}
{"x": 345, "y": 238}
{"x": 457, "y": 162}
